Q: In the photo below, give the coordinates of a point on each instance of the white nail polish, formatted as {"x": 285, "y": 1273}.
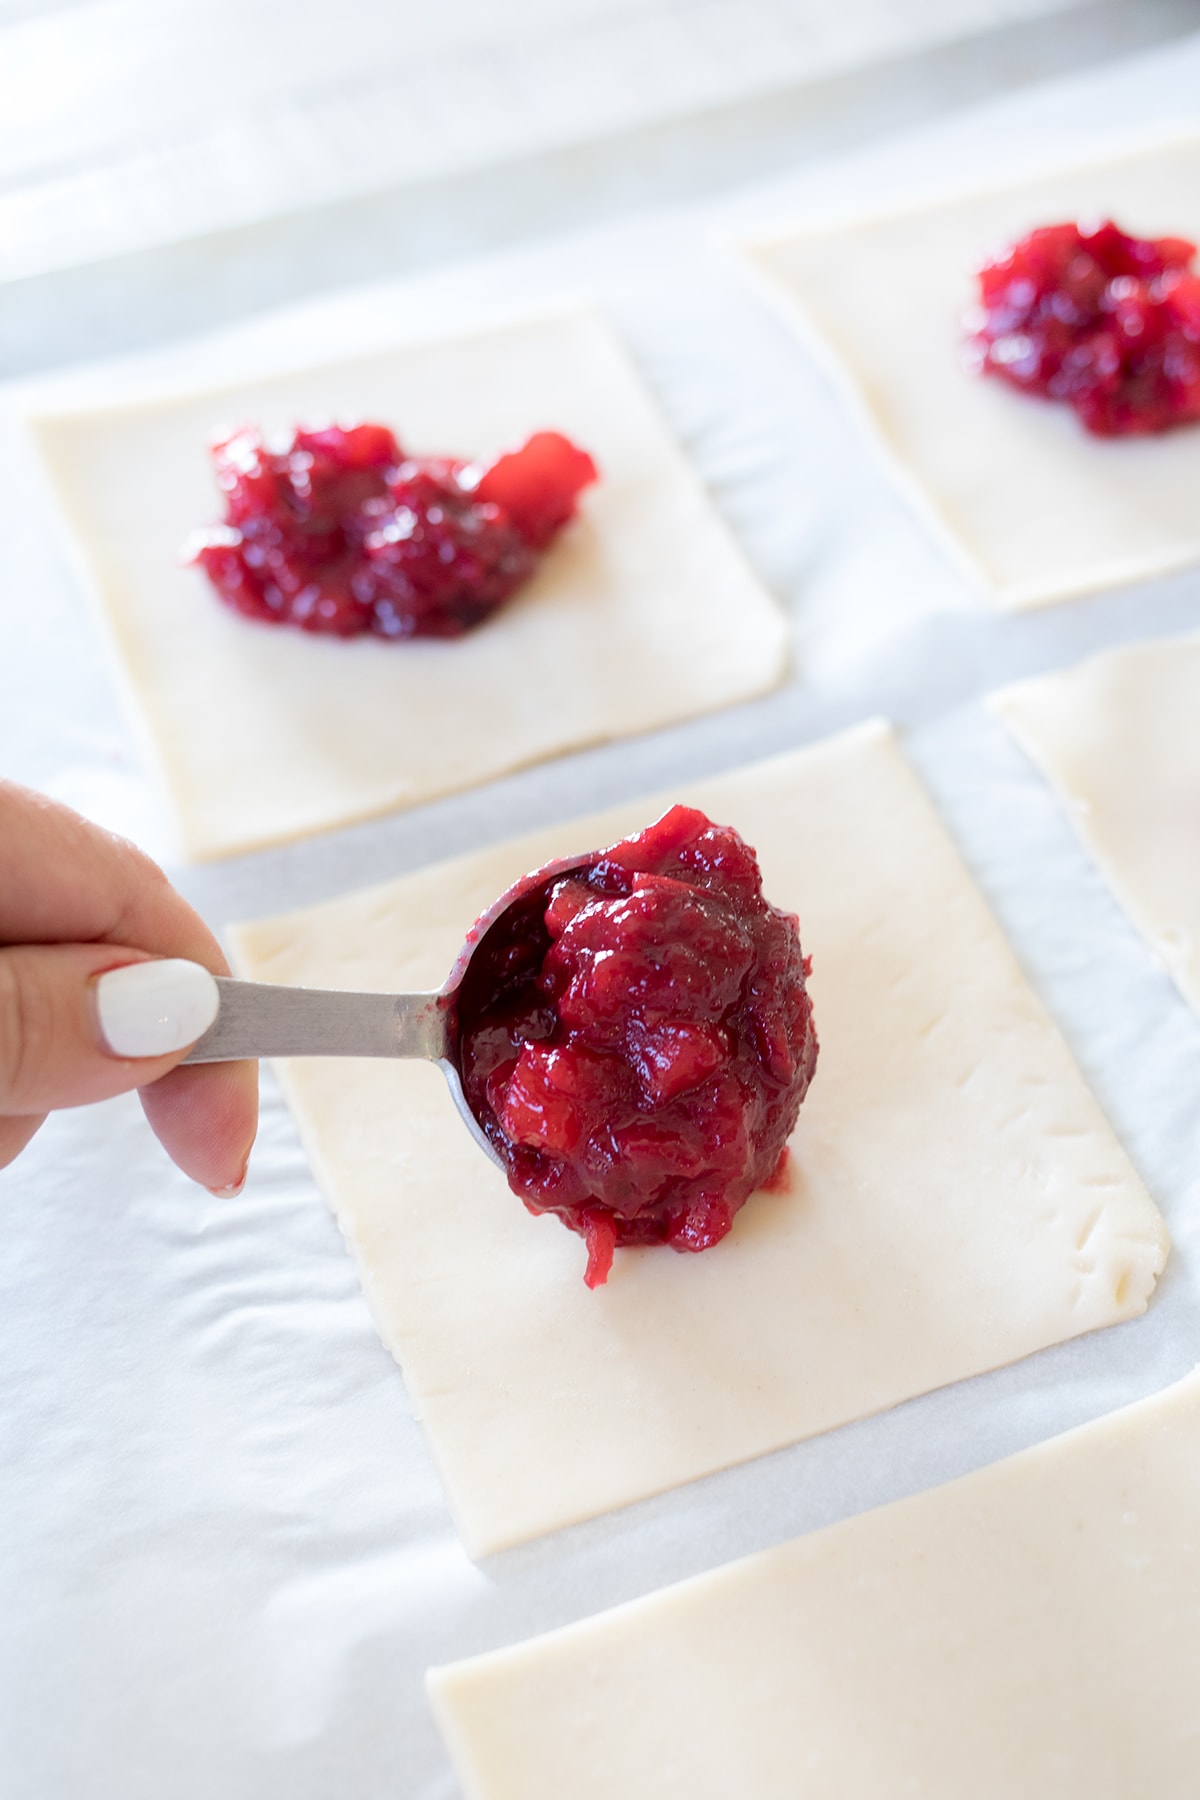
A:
{"x": 152, "y": 1008}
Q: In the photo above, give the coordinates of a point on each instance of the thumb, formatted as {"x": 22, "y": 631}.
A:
{"x": 75, "y": 1028}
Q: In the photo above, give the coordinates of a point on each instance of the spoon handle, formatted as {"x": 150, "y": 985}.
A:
{"x": 259, "y": 1020}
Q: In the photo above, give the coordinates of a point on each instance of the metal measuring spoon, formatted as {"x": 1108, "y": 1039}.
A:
{"x": 258, "y": 1019}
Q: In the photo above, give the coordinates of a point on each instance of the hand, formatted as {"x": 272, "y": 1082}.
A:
{"x": 75, "y": 904}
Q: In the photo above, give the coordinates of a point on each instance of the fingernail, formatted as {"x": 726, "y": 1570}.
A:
{"x": 229, "y": 1193}
{"x": 153, "y": 1008}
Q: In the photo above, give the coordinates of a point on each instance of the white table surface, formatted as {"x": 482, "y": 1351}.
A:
{"x": 224, "y": 1556}
{"x": 128, "y": 123}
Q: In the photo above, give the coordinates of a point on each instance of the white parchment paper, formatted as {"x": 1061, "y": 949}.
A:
{"x": 224, "y": 1555}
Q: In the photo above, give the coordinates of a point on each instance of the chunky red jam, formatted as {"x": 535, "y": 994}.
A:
{"x": 1106, "y": 322}
{"x": 635, "y": 1037}
{"x": 340, "y": 531}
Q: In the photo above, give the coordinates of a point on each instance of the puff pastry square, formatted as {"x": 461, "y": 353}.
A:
{"x": 1029, "y": 1629}
{"x": 957, "y": 1199}
{"x": 642, "y": 613}
{"x": 1117, "y": 737}
{"x": 1032, "y": 506}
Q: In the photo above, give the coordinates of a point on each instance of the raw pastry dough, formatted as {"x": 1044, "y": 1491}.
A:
{"x": 1118, "y": 738}
{"x": 1029, "y": 1632}
{"x": 957, "y": 1201}
{"x": 1039, "y": 509}
{"x": 643, "y": 613}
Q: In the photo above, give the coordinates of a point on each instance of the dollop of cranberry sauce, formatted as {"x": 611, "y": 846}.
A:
{"x": 1106, "y": 322}
{"x": 635, "y": 1037}
{"x": 338, "y": 530}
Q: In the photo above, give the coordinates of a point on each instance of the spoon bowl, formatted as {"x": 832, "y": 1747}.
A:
{"x": 258, "y": 1019}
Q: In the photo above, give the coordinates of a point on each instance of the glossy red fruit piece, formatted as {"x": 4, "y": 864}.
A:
{"x": 1106, "y": 322}
{"x": 538, "y": 485}
{"x": 600, "y": 1235}
{"x": 636, "y": 1039}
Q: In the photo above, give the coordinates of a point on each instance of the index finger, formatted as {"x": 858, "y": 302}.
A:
{"x": 65, "y": 881}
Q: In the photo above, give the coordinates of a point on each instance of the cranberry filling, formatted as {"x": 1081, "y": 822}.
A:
{"x": 635, "y": 1038}
{"x": 340, "y": 531}
{"x": 1107, "y": 322}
